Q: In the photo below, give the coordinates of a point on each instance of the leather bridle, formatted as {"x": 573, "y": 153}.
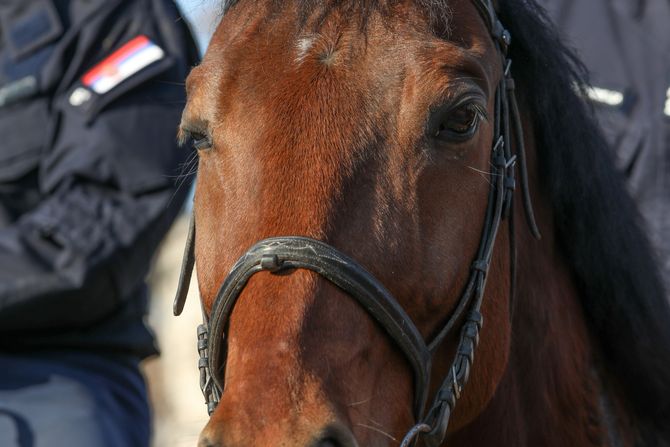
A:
{"x": 290, "y": 252}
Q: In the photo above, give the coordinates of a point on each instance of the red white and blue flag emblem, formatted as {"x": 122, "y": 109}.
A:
{"x": 132, "y": 57}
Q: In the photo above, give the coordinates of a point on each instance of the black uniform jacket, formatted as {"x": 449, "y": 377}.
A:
{"x": 625, "y": 44}
{"x": 91, "y": 92}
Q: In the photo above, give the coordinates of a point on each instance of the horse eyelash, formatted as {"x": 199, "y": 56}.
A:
{"x": 481, "y": 112}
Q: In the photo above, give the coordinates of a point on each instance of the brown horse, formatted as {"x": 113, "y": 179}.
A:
{"x": 372, "y": 125}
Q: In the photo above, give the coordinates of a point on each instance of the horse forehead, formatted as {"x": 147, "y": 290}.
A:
{"x": 261, "y": 40}
{"x": 255, "y": 55}
{"x": 289, "y": 37}
{"x": 282, "y": 61}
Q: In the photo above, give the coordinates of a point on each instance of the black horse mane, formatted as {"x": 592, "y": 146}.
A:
{"x": 598, "y": 225}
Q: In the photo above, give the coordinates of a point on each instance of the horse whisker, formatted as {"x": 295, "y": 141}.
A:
{"x": 361, "y": 402}
{"x": 378, "y": 424}
{"x": 482, "y": 174}
{"x": 381, "y": 432}
{"x": 482, "y": 171}
{"x": 188, "y": 169}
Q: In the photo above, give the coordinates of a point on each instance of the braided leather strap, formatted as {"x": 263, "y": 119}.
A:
{"x": 207, "y": 387}
{"x": 451, "y": 388}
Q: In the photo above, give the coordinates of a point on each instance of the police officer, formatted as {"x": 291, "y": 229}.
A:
{"x": 625, "y": 44}
{"x": 91, "y": 93}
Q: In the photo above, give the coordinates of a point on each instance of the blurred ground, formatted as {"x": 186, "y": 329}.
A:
{"x": 178, "y": 406}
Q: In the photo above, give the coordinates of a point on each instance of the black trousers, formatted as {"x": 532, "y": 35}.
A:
{"x": 72, "y": 400}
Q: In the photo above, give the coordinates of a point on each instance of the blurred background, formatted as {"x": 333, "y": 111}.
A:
{"x": 179, "y": 410}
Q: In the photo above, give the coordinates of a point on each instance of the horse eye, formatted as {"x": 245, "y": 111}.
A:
{"x": 200, "y": 141}
{"x": 459, "y": 124}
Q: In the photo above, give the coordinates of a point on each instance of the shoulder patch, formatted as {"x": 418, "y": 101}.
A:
{"x": 129, "y": 59}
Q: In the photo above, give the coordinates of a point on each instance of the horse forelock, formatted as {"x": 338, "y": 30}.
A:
{"x": 438, "y": 11}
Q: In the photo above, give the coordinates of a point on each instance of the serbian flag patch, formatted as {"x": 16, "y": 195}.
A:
{"x": 132, "y": 57}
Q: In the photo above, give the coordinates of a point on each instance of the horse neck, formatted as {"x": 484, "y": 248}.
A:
{"x": 552, "y": 381}
{"x": 551, "y": 393}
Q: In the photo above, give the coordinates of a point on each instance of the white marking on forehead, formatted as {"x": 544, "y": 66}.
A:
{"x": 318, "y": 46}
{"x": 303, "y": 46}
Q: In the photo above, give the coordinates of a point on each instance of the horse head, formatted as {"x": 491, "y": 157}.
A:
{"x": 368, "y": 146}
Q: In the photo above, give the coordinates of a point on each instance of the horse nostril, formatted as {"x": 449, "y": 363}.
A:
{"x": 205, "y": 441}
{"x": 335, "y": 436}
{"x": 328, "y": 443}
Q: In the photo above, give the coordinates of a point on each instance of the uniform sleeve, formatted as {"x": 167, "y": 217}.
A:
{"x": 110, "y": 183}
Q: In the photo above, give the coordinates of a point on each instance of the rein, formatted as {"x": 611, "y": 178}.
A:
{"x": 279, "y": 254}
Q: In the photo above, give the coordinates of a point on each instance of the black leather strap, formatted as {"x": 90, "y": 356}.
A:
{"x": 187, "y": 265}
{"x": 487, "y": 12}
{"x": 291, "y": 252}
